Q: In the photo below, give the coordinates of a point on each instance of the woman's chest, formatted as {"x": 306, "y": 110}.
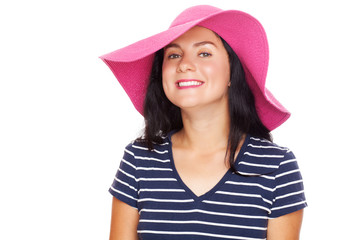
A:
{"x": 199, "y": 172}
{"x": 235, "y": 206}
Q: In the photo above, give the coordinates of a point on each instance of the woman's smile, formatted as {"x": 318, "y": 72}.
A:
{"x": 188, "y": 83}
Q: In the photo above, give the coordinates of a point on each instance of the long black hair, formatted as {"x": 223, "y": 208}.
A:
{"x": 161, "y": 116}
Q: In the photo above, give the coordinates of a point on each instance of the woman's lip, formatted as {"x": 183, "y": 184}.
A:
{"x": 188, "y": 83}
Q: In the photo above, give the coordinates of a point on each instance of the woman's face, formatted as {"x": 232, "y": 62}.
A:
{"x": 196, "y": 70}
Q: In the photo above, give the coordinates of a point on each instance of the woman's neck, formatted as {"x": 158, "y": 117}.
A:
{"x": 204, "y": 129}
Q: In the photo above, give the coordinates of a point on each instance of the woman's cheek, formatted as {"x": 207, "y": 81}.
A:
{"x": 167, "y": 83}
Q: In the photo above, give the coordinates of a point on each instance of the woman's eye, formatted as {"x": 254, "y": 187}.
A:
{"x": 205, "y": 54}
{"x": 173, "y": 56}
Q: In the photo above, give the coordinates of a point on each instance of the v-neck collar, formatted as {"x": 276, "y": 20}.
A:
{"x": 209, "y": 193}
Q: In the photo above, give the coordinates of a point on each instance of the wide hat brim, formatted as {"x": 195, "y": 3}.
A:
{"x": 131, "y": 65}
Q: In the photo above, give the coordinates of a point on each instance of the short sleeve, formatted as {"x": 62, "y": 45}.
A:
{"x": 125, "y": 184}
{"x": 289, "y": 190}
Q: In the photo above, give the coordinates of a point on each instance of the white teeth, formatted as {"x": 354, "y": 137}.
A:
{"x": 189, "y": 83}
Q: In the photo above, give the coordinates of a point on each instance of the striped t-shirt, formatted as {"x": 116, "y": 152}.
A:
{"x": 269, "y": 185}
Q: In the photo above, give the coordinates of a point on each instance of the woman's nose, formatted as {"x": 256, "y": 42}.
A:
{"x": 185, "y": 64}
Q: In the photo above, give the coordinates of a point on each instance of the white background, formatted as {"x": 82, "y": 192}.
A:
{"x": 64, "y": 118}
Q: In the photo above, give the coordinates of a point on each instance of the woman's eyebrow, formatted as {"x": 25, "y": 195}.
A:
{"x": 175, "y": 45}
{"x": 204, "y": 43}
{"x": 171, "y": 45}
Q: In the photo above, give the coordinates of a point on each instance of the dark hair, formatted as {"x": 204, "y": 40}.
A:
{"x": 161, "y": 116}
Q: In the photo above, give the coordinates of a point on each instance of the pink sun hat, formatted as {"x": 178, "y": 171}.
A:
{"x": 131, "y": 65}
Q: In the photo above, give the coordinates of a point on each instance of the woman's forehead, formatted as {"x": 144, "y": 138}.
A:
{"x": 196, "y": 36}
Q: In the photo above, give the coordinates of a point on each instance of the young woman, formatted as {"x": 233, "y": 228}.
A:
{"x": 205, "y": 167}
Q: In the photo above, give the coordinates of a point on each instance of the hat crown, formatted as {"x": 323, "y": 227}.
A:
{"x": 194, "y": 13}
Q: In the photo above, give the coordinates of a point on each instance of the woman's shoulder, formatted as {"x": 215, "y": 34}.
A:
{"x": 266, "y": 147}
{"x": 261, "y": 156}
{"x": 140, "y": 147}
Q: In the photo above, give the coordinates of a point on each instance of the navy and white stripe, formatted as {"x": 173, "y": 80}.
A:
{"x": 268, "y": 184}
